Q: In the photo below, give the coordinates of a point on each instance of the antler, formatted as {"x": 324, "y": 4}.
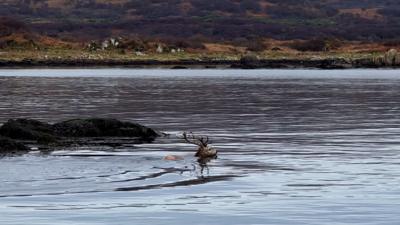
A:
{"x": 204, "y": 140}
{"x": 199, "y": 141}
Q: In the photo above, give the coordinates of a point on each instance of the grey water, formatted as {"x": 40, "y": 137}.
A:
{"x": 295, "y": 147}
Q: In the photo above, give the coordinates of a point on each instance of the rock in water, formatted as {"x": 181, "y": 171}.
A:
{"x": 27, "y": 129}
{"x": 97, "y": 127}
{"x": 9, "y": 146}
{"x": 59, "y": 134}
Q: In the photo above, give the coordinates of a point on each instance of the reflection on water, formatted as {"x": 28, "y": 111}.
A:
{"x": 298, "y": 148}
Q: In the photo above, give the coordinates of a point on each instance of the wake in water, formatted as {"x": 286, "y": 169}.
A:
{"x": 294, "y": 147}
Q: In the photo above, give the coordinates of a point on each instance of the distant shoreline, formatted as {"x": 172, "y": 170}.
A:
{"x": 201, "y": 64}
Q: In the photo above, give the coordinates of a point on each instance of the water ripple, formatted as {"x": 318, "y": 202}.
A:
{"x": 295, "y": 147}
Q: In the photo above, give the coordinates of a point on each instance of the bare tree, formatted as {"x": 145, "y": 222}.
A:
{"x": 204, "y": 150}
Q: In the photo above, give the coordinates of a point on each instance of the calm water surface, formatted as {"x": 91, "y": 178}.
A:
{"x": 296, "y": 147}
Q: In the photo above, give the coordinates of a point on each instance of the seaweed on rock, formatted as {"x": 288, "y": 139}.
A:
{"x": 15, "y": 133}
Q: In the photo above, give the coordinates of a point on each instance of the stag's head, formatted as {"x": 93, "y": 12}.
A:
{"x": 204, "y": 151}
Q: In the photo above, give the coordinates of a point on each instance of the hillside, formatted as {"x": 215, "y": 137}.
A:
{"x": 218, "y": 20}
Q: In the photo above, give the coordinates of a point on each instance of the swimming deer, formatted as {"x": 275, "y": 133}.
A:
{"x": 204, "y": 150}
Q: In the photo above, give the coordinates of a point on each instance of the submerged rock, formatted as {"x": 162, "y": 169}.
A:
{"x": 9, "y": 146}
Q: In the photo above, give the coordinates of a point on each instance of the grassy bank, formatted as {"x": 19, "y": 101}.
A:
{"x": 77, "y": 54}
{"x": 266, "y": 59}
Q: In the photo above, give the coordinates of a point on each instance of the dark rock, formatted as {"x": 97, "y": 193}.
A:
{"x": 17, "y": 132}
{"x": 250, "y": 61}
{"x": 27, "y": 129}
{"x": 179, "y": 67}
{"x": 276, "y": 49}
{"x": 9, "y": 146}
{"x": 97, "y": 127}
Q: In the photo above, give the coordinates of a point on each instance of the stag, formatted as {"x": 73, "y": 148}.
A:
{"x": 204, "y": 150}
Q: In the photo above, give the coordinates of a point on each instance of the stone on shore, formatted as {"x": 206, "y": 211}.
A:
{"x": 250, "y": 61}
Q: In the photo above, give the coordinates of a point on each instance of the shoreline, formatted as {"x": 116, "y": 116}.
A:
{"x": 200, "y": 64}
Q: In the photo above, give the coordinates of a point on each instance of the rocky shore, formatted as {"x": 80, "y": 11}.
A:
{"x": 244, "y": 63}
{"x": 19, "y": 136}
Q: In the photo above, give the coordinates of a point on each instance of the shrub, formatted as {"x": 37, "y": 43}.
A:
{"x": 316, "y": 45}
{"x": 256, "y": 45}
{"x": 392, "y": 43}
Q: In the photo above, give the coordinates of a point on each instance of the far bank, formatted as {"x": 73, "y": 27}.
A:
{"x": 268, "y": 60}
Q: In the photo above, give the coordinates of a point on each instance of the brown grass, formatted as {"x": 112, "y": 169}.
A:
{"x": 371, "y": 14}
{"x": 223, "y": 48}
{"x": 265, "y": 4}
{"x": 114, "y": 2}
{"x": 359, "y": 47}
{"x": 186, "y": 6}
